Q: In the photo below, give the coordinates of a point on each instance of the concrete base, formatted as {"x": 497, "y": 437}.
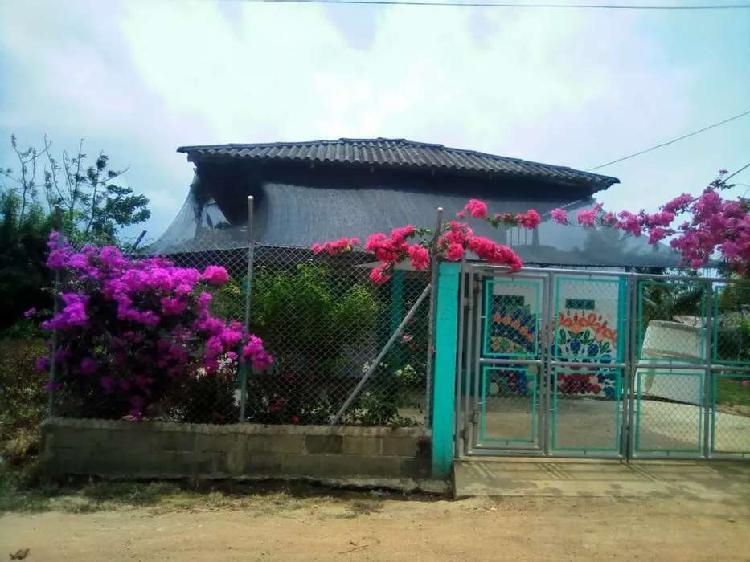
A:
{"x": 715, "y": 481}
{"x": 394, "y": 458}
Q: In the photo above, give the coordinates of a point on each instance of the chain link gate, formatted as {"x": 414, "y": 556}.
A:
{"x": 600, "y": 364}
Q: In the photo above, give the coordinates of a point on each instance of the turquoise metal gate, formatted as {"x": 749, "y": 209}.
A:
{"x": 578, "y": 363}
{"x": 543, "y": 363}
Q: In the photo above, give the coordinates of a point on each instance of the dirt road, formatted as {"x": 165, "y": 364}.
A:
{"x": 278, "y": 526}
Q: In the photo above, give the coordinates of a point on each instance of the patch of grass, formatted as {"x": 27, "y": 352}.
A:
{"x": 366, "y": 507}
{"x": 24, "y": 491}
{"x": 128, "y": 493}
{"x": 732, "y": 392}
{"x": 17, "y": 495}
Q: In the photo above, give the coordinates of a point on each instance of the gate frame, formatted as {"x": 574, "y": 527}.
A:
{"x": 454, "y": 343}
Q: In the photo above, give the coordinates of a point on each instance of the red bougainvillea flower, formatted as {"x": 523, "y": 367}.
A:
{"x": 530, "y": 219}
{"x": 476, "y": 208}
{"x": 379, "y": 274}
{"x": 420, "y": 257}
{"x": 335, "y": 247}
{"x": 560, "y": 216}
{"x": 215, "y": 275}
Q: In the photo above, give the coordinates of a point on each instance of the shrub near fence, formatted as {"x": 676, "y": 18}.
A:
{"x": 320, "y": 317}
{"x": 23, "y": 400}
{"x": 325, "y": 322}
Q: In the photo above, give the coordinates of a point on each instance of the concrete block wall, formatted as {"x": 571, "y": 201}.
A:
{"x": 122, "y": 449}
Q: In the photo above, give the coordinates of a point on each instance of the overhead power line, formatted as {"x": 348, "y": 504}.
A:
{"x": 513, "y": 4}
{"x": 667, "y": 143}
{"x": 730, "y": 176}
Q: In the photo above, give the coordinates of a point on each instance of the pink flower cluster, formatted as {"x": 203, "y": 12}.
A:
{"x": 455, "y": 239}
{"x": 335, "y": 247}
{"x": 139, "y": 327}
{"x": 393, "y": 249}
{"x": 711, "y": 225}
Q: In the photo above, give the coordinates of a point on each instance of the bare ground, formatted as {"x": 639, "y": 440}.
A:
{"x": 370, "y": 526}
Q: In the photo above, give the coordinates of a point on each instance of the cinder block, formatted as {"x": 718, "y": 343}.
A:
{"x": 356, "y": 465}
{"x": 362, "y": 445}
{"x": 217, "y": 442}
{"x": 324, "y": 444}
{"x": 400, "y": 446}
{"x": 290, "y": 443}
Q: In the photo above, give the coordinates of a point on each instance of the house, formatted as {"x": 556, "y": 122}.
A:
{"x": 312, "y": 191}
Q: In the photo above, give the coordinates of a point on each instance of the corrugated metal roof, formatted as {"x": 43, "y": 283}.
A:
{"x": 398, "y": 154}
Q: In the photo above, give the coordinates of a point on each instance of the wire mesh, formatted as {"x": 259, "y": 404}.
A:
{"x": 731, "y": 324}
{"x": 669, "y": 412}
{"x": 325, "y": 322}
{"x": 509, "y": 398}
{"x": 730, "y": 414}
{"x": 671, "y": 320}
{"x": 586, "y": 409}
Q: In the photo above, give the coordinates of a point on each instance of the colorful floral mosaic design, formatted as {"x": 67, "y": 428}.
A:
{"x": 585, "y": 338}
{"x": 512, "y": 329}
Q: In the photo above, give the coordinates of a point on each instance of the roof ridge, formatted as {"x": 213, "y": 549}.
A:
{"x": 416, "y": 154}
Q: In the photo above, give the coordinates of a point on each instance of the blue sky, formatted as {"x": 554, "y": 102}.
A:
{"x": 572, "y": 87}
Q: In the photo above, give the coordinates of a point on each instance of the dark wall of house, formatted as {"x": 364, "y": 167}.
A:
{"x": 230, "y": 182}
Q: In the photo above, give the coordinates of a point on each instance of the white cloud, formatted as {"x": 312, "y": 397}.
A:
{"x": 570, "y": 87}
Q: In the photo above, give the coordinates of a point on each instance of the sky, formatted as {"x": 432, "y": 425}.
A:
{"x": 573, "y": 87}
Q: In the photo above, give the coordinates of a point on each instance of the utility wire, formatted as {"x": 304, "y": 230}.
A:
{"x": 663, "y": 144}
{"x": 745, "y": 167}
{"x": 509, "y": 4}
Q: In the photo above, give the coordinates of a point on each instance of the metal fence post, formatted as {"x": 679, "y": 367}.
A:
{"x": 708, "y": 373}
{"x": 248, "y": 299}
{"x": 57, "y": 226}
{"x": 434, "y": 266}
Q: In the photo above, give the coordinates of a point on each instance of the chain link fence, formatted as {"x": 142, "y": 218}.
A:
{"x": 692, "y": 384}
{"x": 325, "y": 323}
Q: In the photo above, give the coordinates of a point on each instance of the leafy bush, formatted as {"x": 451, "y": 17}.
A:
{"x": 23, "y": 401}
{"x": 133, "y": 333}
{"x": 308, "y": 320}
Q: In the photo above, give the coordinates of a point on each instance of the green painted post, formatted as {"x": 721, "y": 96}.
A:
{"x": 444, "y": 388}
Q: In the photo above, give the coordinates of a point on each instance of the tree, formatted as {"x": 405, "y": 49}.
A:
{"x": 23, "y": 249}
{"x": 94, "y": 203}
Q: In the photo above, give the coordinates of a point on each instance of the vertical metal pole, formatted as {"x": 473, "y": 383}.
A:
{"x": 708, "y": 373}
{"x": 434, "y": 265}
{"x": 459, "y": 432}
{"x": 632, "y": 374}
{"x": 627, "y": 359}
{"x": 57, "y": 225}
{"x": 469, "y": 352}
{"x": 248, "y": 299}
{"x": 545, "y": 368}
{"x": 477, "y": 289}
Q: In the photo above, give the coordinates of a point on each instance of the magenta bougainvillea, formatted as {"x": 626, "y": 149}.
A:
{"x": 455, "y": 239}
{"x": 698, "y": 227}
{"x": 131, "y": 330}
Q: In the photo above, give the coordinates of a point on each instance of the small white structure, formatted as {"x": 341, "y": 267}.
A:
{"x": 666, "y": 342}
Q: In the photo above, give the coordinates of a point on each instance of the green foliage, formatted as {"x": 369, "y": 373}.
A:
{"x": 93, "y": 205}
{"x": 391, "y": 391}
{"x": 733, "y": 392}
{"x": 663, "y": 300}
{"x": 229, "y": 300}
{"x": 23, "y": 248}
{"x": 23, "y": 400}
{"x": 308, "y": 305}
{"x": 301, "y": 316}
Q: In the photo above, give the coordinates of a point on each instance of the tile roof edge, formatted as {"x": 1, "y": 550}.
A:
{"x": 597, "y": 178}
